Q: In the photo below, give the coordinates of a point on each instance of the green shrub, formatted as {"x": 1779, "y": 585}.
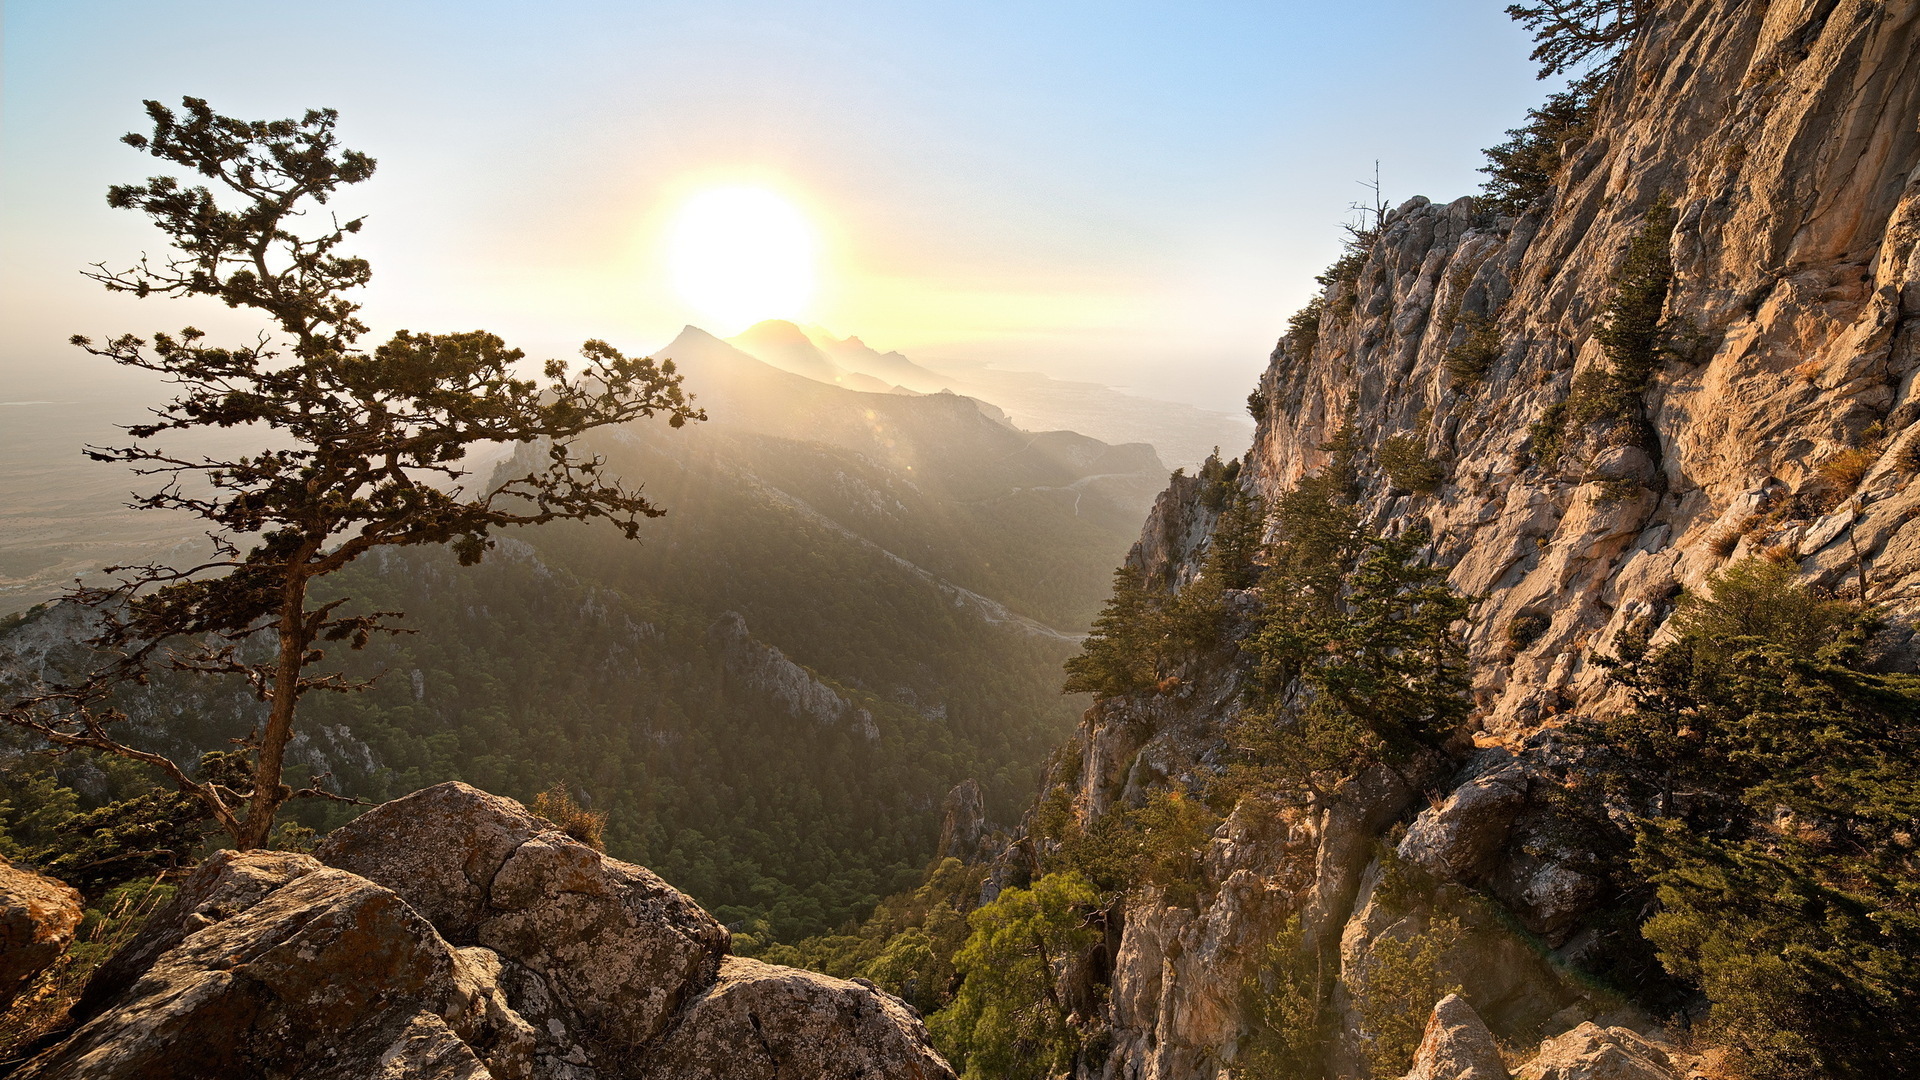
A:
{"x": 1469, "y": 362}
{"x": 1284, "y": 1002}
{"x": 1635, "y": 315}
{"x": 1007, "y": 1022}
{"x": 1303, "y": 329}
{"x": 1159, "y": 843}
{"x": 1525, "y": 629}
{"x": 1398, "y": 985}
{"x": 1408, "y": 467}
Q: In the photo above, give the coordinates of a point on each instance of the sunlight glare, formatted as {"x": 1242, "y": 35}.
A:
{"x": 740, "y": 254}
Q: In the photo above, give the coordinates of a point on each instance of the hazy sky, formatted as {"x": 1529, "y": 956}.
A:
{"x": 1133, "y": 193}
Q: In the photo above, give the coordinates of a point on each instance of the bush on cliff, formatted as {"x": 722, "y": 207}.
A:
{"x": 1355, "y": 658}
{"x": 1779, "y": 802}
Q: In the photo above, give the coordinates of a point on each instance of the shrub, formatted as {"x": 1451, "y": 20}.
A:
{"x": 1631, "y": 334}
{"x": 557, "y": 805}
{"x": 1284, "y": 1002}
{"x": 1779, "y": 801}
{"x": 1469, "y": 362}
{"x": 1525, "y": 629}
{"x": 1847, "y": 468}
{"x": 1408, "y": 467}
{"x": 1007, "y": 1021}
{"x": 1398, "y": 985}
{"x": 1160, "y": 843}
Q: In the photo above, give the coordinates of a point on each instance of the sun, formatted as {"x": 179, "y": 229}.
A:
{"x": 740, "y": 254}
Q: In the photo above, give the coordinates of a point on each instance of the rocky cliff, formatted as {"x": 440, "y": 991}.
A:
{"x": 452, "y": 935}
{"x": 1770, "y": 154}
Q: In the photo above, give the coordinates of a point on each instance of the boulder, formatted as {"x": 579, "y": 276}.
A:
{"x": 327, "y": 975}
{"x": 1461, "y": 838}
{"x": 1591, "y": 1052}
{"x": 1457, "y": 1046}
{"x": 761, "y": 1022}
{"x": 38, "y": 916}
{"x": 270, "y": 964}
{"x": 228, "y": 883}
{"x": 620, "y": 946}
{"x": 617, "y": 947}
{"x": 439, "y": 847}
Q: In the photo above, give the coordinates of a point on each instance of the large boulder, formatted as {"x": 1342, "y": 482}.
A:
{"x": 761, "y": 1022}
{"x": 439, "y": 847}
{"x": 38, "y": 917}
{"x": 1591, "y": 1052}
{"x": 619, "y": 945}
{"x": 620, "y": 948}
{"x": 1459, "y": 839}
{"x": 326, "y": 976}
{"x": 1457, "y": 1046}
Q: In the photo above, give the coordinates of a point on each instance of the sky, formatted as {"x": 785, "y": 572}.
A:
{"x": 1136, "y": 194}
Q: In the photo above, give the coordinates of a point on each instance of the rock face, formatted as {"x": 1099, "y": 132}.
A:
{"x": 38, "y": 917}
{"x": 1783, "y": 136}
{"x": 963, "y": 822}
{"x": 457, "y": 937}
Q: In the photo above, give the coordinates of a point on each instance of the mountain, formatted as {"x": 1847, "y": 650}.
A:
{"x": 1635, "y": 433}
{"x": 855, "y": 602}
{"x": 1182, "y": 434}
{"x": 785, "y": 346}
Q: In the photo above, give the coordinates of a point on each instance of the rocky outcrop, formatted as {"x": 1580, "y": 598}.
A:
{"x": 1783, "y": 135}
{"x": 326, "y": 975}
{"x": 38, "y": 917}
{"x": 452, "y": 935}
{"x": 766, "y": 670}
{"x": 963, "y": 822}
{"x": 1591, "y": 1052}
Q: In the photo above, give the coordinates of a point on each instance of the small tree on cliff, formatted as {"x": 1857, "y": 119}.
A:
{"x": 365, "y": 448}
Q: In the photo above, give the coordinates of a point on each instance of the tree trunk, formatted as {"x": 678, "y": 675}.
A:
{"x": 268, "y": 790}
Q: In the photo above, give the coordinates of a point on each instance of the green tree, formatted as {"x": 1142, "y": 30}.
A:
{"x": 1569, "y": 33}
{"x": 1355, "y": 657}
{"x": 1775, "y": 774}
{"x": 1120, "y": 654}
{"x": 1521, "y": 171}
{"x": 361, "y": 450}
{"x": 1008, "y": 1022}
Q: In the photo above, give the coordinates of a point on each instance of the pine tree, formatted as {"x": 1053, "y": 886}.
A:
{"x": 360, "y": 450}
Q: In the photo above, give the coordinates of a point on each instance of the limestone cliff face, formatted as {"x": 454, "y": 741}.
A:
{"x": 1785, "y": 136}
